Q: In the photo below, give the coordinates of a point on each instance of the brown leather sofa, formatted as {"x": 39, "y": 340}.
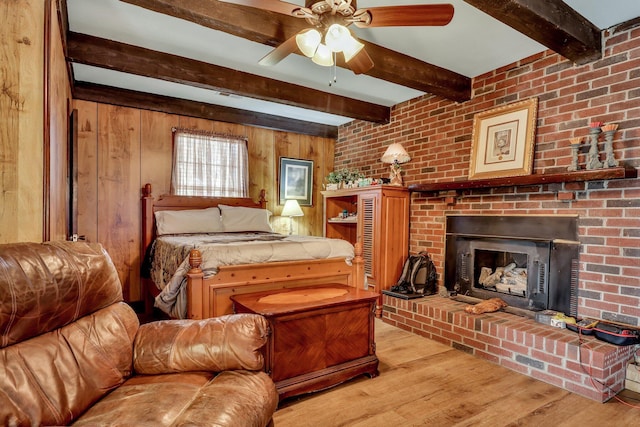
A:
{"x": 71, "y": 352}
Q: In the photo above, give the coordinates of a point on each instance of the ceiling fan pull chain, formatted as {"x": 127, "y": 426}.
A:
{"x": 333, "y": 80}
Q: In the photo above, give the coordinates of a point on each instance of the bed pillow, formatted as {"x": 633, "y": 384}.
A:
{"x": 188, "y": 221}
{"x": 238, "y": 218}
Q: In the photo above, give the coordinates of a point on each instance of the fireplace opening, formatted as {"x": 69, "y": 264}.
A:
{"x": 528, "y": 261}
{"x": 502, "y": 272}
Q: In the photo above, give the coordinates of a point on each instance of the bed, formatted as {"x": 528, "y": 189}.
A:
{"x": 207, "y": 293}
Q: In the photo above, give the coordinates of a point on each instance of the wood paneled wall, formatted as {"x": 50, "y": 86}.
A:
{"x": 121, "y": 149}
{"x": 21, "y": 120}
{"x": 33, "y": 136}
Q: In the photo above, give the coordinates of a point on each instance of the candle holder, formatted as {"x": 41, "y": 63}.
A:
{"x": 593, "y": 160}
{"x": 575, "y": 146}
{"x": 609, "y": 130}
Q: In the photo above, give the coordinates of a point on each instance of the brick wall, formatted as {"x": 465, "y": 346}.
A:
{"x": 437, "y": 133}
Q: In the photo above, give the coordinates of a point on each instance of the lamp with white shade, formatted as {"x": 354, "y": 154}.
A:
{"x": 291, "y": 208}
{"x": 395, "y": 155}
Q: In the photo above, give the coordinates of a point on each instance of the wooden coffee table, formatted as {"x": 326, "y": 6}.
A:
{"x": 320, "y": 336}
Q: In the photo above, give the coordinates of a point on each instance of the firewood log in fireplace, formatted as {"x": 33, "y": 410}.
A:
{"x": 508, "y": 279}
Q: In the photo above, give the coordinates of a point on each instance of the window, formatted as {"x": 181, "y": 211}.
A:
{"x": 209, "y": 164}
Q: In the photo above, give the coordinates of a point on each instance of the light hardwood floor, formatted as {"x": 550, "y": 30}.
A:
{"x": 425, "y": 383}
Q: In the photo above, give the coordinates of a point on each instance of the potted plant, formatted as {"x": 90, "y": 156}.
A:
{"x": 343, "y": 178}
{"x": 333, "y": 180}
{"x": 353, "y": 176}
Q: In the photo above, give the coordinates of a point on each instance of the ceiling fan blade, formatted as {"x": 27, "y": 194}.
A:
{"x": 270, "y": 5}
{"x": 404, "y": 16}
{"x": 279, "y": 53}
{"x": 361, "y": 63}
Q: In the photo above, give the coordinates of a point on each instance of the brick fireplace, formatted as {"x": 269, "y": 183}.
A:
{"x": 544, "y": 251}
{"x": 438, "y": 136}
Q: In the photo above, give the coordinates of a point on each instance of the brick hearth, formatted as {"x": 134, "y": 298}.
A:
{"x": 546, "y": 353}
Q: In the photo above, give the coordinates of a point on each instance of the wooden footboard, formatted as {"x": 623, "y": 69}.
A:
{"x": 209, "y": 297}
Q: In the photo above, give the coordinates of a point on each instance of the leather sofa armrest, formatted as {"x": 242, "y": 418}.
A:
{"x": 216, "y": 344}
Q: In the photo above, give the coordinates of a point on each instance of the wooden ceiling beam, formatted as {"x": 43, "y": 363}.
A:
{"x": 250, "y": 23}
{"x": 552, "y": 23}
{"x": 133, "y": 99}
{"x": 99, "y": 52}
{"x": 272, "y": 29}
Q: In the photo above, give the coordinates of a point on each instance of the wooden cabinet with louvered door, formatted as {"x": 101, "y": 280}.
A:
{"x": 378, "y": 216}
{"x": 368, "y": 234}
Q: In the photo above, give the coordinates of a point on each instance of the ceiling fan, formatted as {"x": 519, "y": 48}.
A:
{"x": 330, "y": 18}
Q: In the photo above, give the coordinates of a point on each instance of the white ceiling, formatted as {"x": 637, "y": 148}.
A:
{"x": 472, "y": 44}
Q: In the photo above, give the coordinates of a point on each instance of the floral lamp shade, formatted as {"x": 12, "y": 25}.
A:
{"x": 395, "y": 155}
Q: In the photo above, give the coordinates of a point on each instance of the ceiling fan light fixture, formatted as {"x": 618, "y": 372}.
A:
{"x": 351, "y": 49}
{"x": 308, "y": 41}
{"x": 337, "y": 37}
{"x": 323, "y": 56}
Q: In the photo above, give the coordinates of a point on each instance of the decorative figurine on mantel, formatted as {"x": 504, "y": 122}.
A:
{"x": 395, "y": 155}
{"x": 593, "y": 159}
{"x": 609, "y": 130}
{"x": 575, "y": 145}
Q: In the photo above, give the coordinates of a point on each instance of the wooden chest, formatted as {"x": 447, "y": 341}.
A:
{"x": 320, "y": 336}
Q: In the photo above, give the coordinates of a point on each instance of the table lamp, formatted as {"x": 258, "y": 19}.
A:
{"x": 395, "y": 155}
{"x": 291, "y": 208}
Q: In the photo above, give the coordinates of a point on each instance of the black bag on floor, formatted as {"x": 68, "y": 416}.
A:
{"x": 418, "y": 276}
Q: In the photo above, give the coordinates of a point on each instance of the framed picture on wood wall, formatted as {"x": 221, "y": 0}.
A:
{"x": 503, "y": 141}
{"x": 296, "y": 181}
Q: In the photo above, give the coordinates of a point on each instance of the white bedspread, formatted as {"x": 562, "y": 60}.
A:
{"x": 234, "y": 249}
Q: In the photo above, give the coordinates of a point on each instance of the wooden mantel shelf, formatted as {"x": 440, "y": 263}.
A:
{"x": 536, "y": 179}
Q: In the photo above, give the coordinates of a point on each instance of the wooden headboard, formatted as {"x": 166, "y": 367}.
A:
{"x": 169, "y": 202}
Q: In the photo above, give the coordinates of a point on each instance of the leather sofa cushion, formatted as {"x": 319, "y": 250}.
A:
{"x": 232, "y": 398}
{"x": 49, "y": 285}
{"x": 218, "y": 344}
{"x": 53, "y": 378}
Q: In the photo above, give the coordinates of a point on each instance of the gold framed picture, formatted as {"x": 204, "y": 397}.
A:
{"x": 503, "y": 141}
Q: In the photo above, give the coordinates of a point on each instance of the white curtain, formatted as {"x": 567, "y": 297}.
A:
{"x": 209, "y": 164}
